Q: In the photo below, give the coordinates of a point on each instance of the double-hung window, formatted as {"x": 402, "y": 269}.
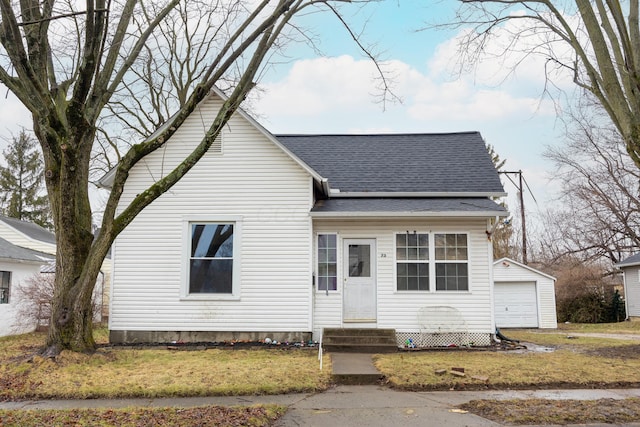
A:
{"x": 452, "y": 269}
{"x": 211, "y": 258}
{"x": 412, "y": 262}
{"x": 424, "y": 260}
{"x": 5, "y": 284}
{"x": 327, "y": 262}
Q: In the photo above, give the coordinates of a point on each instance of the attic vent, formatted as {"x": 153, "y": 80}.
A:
{"x": 216, "y": 146}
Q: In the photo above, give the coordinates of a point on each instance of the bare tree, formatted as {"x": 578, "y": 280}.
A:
{"x": 600, "y": 201}
{"x": 36, "y": 299}
{"x": 66, "y": 65}
{"x": 597, "y": 41}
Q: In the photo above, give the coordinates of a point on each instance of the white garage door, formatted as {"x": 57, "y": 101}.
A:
{"x": 516, "y": 305}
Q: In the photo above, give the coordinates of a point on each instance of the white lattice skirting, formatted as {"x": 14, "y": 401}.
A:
{"x": 442, "y": 339}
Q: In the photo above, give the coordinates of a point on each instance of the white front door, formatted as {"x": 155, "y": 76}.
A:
{"x": 359, "y": 303}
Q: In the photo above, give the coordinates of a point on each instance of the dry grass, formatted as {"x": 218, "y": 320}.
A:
{"x": 629, "y": 327}
{"x": 563, "y": 368}
{"x": 123, "y": 372}
{"x": 133, "y": 417}
{"x": 575, "y": 362}
{"x": 556, "y": 412}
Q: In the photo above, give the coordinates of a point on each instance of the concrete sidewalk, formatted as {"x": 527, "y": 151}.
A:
{"x": 352, "y": 405}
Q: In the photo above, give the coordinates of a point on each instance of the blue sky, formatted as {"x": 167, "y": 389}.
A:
{"x": 337, "y": 93}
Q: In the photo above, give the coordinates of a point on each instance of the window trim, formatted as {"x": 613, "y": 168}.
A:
{"x": 317, "y": 262}
{"x": 432, "y": 263}
{"x": 187, "y": 222}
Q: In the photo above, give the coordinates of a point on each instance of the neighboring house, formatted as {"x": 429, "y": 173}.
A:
{"x": 631, "y": 278}
{"x": 524, "y": 297}
{"x": 32, "y": 236}
{"x": 17, "y": 264}
{"x": 283, "y": 236}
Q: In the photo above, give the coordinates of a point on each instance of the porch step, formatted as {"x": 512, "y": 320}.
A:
{"x": 359, "y": 340}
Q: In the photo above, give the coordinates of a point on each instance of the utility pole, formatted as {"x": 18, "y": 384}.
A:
{"x": 520, "y": 188}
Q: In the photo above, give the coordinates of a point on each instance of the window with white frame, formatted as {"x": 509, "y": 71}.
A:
{"x": 5, "y": 284}
{"x": 327, "y": 262}
{"x": 211, "y": 258}
{"x": 440, "y": 257}
{"x": 412, "y": 262}
{"x": 451, "y": 260}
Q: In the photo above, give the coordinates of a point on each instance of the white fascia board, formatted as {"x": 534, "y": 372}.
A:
{"x": 408, "y": 214}
{"x": 526, "y": 267}
{"x": 399, "y": 194}
{"x": 623, "y": 265}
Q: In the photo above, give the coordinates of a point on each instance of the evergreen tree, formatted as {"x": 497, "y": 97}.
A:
{"x": 22, "y": 193}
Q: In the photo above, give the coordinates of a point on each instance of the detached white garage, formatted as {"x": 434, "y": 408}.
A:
{"x": 523, "y": 297}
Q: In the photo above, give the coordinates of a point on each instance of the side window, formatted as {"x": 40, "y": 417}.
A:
{"x": 327, "y": 262}
{"x": 412, "y": 262}
{"x": 5, "y": 284}
{"x": 452, "y": 267}
{"x": 211, "y": 258}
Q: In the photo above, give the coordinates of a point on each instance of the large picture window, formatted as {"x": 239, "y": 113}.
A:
{"x": 5, "y": 284}
{"x": 423, "y": 257}
{"x": 327, "y": 262}
{"x": 452, "y": 269}
{"x": 412, "y": 262}
{"x": 211, "y": 258}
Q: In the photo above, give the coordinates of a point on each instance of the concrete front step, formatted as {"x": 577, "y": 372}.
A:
{"x": 351, "y": 340}
{"x": 354, "y": 369}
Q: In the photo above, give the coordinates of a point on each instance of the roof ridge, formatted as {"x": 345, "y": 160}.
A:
{"x": 278, "y": 135}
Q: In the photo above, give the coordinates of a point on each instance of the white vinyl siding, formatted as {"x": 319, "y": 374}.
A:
{"x": 252, "y": 181}
{"x": 20, "y": 239}
{"x": 19, "y": 272}
{"x": 632, "y": 290}
{"x": 399, "y": 309}
{"x": 506, "y": 271}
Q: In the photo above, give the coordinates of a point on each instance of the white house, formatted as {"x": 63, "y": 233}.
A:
{"x": 31, "y": 236}
{"x": 631, "y": 275}
{"x": 17, "y": 265}
{"x": 524, "y": 297}
{"x": 283, "y": 236}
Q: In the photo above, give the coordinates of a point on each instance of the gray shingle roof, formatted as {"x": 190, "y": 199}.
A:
{"x": 427, "y": 163}
{"x": 30, "y": 229}
{"x": 9, "y": 251}
{"x": 631, "y": 261}
{"x": 407, "y": 205}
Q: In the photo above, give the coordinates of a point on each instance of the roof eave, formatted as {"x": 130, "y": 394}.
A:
{"x": 414, "y": 194}
{"x": 410, "y": 214}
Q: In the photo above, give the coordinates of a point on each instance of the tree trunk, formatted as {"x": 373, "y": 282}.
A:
{"x": 67, "y": 170}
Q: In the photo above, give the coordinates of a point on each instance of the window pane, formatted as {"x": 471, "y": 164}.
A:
{"x": 211, "y": 276}
{"x": 423, "y": 240}
{"x": 423, "y": 254}
{"x": 359, "y": 261}
{"x": 412, "y": 284}
{"x": 212, "y": 240}
{"x": 412, "y": 253}
{"x": 412, "y": 240}
{"x": 401, "y": 254}
{"x": 461, "y": 253}
{"x": 401, "y": 240}
{"x": 440, "y": 254}
{"x": 402, "y": 269}
{"x": 5, "y": 282}
{"x": 327, "y": 267}
{"x": 402, "y": 283}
